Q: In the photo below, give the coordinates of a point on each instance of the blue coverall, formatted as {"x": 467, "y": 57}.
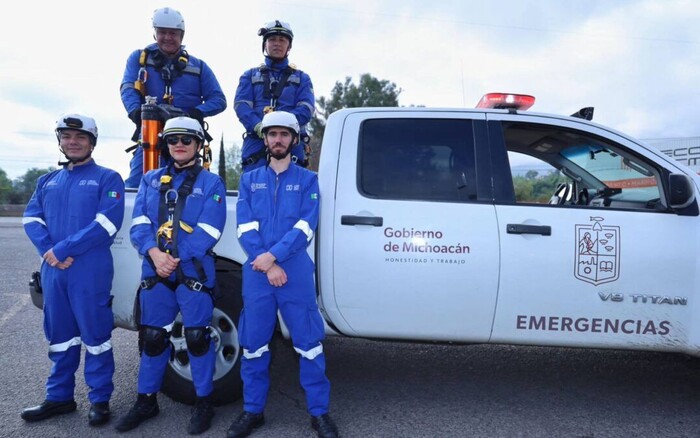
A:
{"x": 205, "y": 213}
{"x": 195, "y": 86}
{"x": 279, "y": 213}
{"x": 77, "y": 212}
{"x": 297, "y": 97}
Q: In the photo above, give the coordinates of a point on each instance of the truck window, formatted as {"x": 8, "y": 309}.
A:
{"x": 557, "y": 166}
{"x": 535, "y": 181}
{"x": 417, "y": 159}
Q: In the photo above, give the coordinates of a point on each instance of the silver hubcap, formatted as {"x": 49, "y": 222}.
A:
{"x": 225, "y": 337}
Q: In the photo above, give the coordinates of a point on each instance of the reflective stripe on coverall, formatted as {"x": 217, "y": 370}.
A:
{"x": 77, "y": 212}
{"x": 279, "y": 213}
{"x": 205, "y": 213}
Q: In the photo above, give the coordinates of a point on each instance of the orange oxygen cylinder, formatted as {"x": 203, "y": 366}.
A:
{"x": 151, "y": 126}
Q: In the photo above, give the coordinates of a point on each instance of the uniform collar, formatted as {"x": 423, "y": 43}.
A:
{"x": 277, "y": 65}
{"x": 287, "y": 171}
{"x": 153, "y": 47}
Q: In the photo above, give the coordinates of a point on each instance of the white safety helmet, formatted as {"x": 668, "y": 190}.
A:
{"x": 276, "y": 28}
{"x": 183, "y": 126}
{"x": 168, "y": 18}
{"x": 78, "y": 122}
{"x": 280, "y": 118}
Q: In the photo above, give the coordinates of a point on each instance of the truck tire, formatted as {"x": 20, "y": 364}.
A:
{"x": 177, "y": 383}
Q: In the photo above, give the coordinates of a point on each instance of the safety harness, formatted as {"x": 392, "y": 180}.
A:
{"x": 158, "y": 60}
{"x": 172, "y": 202}
{"x": 168, "y": 73}
{"x": 272, "y": 89}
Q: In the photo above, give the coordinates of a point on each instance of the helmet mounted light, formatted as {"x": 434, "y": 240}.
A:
{"x": 72, "y": 122}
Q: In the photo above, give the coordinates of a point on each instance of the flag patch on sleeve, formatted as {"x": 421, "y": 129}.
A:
{"x": 217, "y": 198}
{"x": 314, "y": 196}
{"x": 113, "y": 195}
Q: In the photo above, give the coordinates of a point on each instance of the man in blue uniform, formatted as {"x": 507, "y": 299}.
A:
{"x": 275, "y": 85}
{"x": 277, "y": 214}
{"x": 72, "y": 219}
{"x": 179, "y": 214}
{"x": 166, "y": 71}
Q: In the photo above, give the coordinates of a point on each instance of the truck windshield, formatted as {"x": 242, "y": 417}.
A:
{"x": 613, "y": 170}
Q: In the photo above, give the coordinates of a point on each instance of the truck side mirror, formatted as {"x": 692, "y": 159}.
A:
{"x": 681, "y": 193}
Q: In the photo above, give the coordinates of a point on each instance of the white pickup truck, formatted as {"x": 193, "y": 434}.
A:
{"x": 428, "y": 233}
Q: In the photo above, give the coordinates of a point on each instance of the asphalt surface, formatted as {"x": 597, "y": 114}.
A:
{"x": 380, "y": 389}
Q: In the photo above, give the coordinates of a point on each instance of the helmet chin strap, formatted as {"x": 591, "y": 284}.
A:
{"x": 74, "y": 160}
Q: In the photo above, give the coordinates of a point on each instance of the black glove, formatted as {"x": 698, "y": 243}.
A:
{"x": 197, "y": 115}
{"x": 135, "y": 116}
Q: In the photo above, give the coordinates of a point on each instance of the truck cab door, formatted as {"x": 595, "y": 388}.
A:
{"x": 593, "y": 252}
{"x": 414, "y": 248}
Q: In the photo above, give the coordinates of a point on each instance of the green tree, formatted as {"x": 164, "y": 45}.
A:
{"x": 222, "y": 161}
{"x": 369, "y": 92}
{"x": 530, "y": 189}
{"x": 233, "y": 166}
{"x": 5, "y": 188}
{"x": 23, "y": 187}
{"x": 544, "y": 187}
{"x": 523, "y": 189}
{"x": 531, "y": 174}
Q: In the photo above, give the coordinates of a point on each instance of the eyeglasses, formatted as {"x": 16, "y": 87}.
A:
{"x": 174, "y": 139}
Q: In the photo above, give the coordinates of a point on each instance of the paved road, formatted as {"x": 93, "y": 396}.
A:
{"x": 379, "y": 389}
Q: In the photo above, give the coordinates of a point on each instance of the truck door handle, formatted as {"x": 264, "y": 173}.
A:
{"x": 544, "y": 230}
{"x": 376, "y": 221}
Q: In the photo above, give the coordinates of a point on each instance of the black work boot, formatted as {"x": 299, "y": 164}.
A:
{"x": 99, "y": 414}
{"x": 245, "y": 424}
{"x": 324, "y": 426}
{"x": 146, "y": 407}
{"x": 202, "y": 413}
{"x": 48, "y": 409}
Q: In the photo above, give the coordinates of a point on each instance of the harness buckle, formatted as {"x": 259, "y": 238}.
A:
{"x": 148, "y": 283}
{"x": 194, "y": 285}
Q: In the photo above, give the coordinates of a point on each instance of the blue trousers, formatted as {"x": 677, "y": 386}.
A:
{"x": 77, "y": 311}
{"x": 159, "y": 307}
{"x": 296, "y": 302}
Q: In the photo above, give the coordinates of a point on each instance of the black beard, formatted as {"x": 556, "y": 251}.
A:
{"x": 281, "y": 155}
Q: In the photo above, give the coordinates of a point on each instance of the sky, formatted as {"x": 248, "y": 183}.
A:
{"x": 636, "y": 62}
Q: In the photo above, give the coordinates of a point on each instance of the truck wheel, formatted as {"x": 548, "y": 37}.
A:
{"x": 177, "y": 383}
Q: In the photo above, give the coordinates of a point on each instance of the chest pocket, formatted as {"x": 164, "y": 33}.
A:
{"x": 291, "y": 204}
{"x": 83, "y": 202}
{"x": 260, "y": 203}
{"x": 193, "y": 209}
{"x": 52, "y": 200}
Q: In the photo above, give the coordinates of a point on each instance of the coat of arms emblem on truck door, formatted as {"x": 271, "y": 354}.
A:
{"x": 597, "y": 252}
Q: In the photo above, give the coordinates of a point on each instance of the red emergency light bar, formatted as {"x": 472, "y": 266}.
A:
{"x": 506, "y": 101}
